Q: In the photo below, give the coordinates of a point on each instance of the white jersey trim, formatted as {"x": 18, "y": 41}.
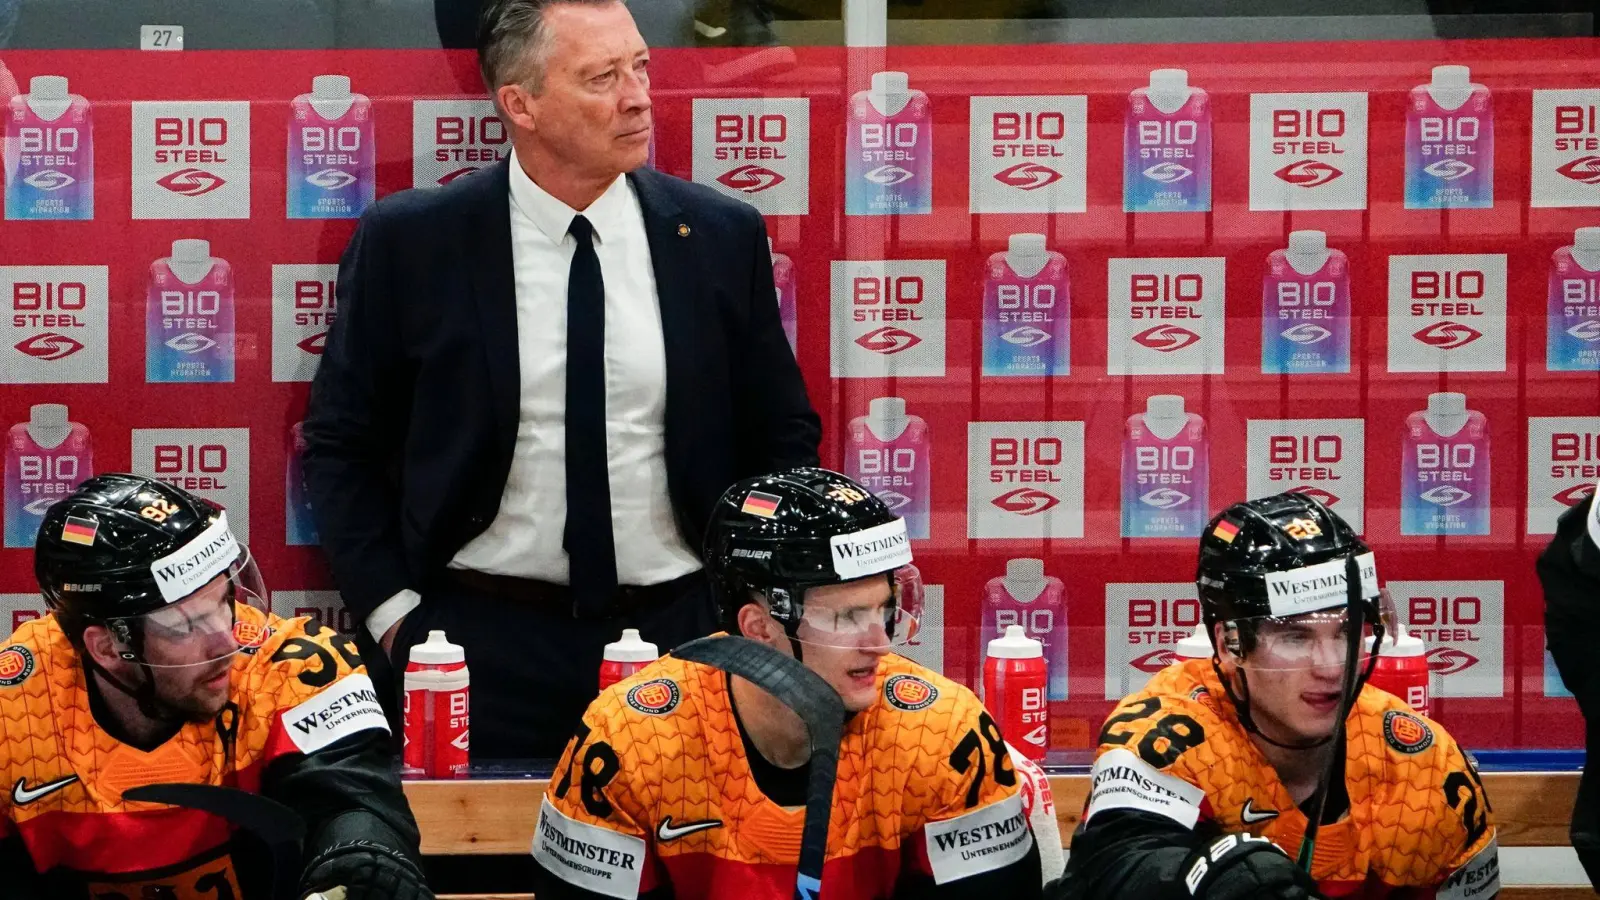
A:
{"x": 1121, "y": 780}
{"x": 986, "y": 839}
{"x": 587, "y": 856}
{"x": 1478, "y": 879}
{"x": 341, "y": 709}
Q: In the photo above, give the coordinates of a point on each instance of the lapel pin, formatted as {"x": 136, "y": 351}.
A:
{"x": 683, "y": 231}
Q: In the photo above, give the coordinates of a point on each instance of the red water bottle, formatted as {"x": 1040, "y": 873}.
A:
{"x": 625, "y": 657}
{"x": 1015, "y": 679}
{"x": 1402, "y": 670}
{"x": 436, "y": 710}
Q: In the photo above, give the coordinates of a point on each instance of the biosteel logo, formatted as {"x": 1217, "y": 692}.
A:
{"x": 1448, "y": 335}
{"x": 191, "y": 182}
{"x": 49, "y": 346}
{"x": 1026, "y": 501}
{"x": 1028, "y": 176}
{"x": 1308, "y": 173}
{"x": 1166, "y": 338}
{"x": 888, "y": 340}
{"x": 1168, "y": 172}
{"x": 751, "y": 178}
{"x": 1584, "y": 169}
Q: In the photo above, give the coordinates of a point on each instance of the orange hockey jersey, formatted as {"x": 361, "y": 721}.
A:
{"x": 299, "y": 689}
{"x": 1418, "y": 823}
{"x": 656, "y": 797}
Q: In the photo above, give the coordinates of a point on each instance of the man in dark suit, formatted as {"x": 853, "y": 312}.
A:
{"x": 542, "y": 377}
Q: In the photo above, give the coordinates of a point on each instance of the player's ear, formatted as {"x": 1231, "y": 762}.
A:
{"x": 99, "y": 646}
{"x": 1226, "y": 642}
{"x": 756, "y": 623}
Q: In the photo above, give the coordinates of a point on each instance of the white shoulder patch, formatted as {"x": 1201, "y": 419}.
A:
{"x": 1121, "y": 780}
{"x": 988, "y": 838}
{"x": 1480, "y": 877}
{"x": 341, "y": 709}
{"x": 587, "y": 856}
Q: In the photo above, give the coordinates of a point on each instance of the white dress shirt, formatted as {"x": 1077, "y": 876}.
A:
{"x": 524, "y": 540}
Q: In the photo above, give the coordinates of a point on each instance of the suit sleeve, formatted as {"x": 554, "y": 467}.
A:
{"x": 327, "y": 754}
{"x": 769, "y": 393}
{"x": 1569, "y": 573}
{"x": 975, "y": 843}
{"x": 593, "y": 838}
{"x": 355, "y": 425}
{"x": 1142, "y": 821}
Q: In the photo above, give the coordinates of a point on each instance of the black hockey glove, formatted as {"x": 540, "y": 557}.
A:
{"x": 1243, "y": 867}
{"x": 367, "y": 871}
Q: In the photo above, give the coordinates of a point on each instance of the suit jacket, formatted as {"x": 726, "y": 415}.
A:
{"x": 413, "y": 413}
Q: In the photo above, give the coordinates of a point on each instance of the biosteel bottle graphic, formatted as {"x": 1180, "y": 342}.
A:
{"x": 301, "y": 529}
{"x": 887, "y": 453}
{"x": 889, "y": 150}
{"x": 49, "y": 153}
{"x": 330, "y": 151}
{"x": 1573, "y": 341}
{"x": 1166, "y": 146}
{"x": 1026, "y": 310}
{"x": 783, "y": 282}
{"x": 1444, "y": 479}
{"x": 1165, "y": 460}
{"x": 1450, "y": 143}
{"x": 1038, "y": 602}
{"x": 189, "y": 316}
{"x": 1305, "y": 308}
{"x": 47, "y": 457}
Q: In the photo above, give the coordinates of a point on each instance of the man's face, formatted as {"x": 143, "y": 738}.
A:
{"x": 844, "y": 637}
{"x": 190, "y": 647}
{"x": 1294, "y": 673}
{"x": 593, "y": 109}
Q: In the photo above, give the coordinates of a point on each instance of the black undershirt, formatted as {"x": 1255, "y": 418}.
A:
{"x": 111, "y": 725}
{"x": 1338, "y": 801}
{"x": 785, "y": 787}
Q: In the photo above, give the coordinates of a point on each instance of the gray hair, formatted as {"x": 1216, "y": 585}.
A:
{"x": 513, "y": 41}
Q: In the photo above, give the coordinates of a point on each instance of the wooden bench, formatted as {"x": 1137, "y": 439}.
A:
{"x": 1531, "y": 809}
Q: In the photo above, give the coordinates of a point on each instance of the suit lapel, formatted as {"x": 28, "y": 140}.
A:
{"x": 672, "y": 253}
{"x": 488, "y": 252}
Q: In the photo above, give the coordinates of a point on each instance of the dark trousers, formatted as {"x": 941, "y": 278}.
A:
{"x": 535, "y": 666}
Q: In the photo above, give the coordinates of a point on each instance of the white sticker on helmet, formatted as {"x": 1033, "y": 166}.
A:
{"x": 1321, "y": 586}
{"x": 881, "y": 548}
{"x": 183, "y": 571}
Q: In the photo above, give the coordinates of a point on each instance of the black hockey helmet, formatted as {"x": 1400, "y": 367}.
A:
{"x": 1274, "y": 572}
{"x": 778, "y": 535}
{"x": 130, "y": 552}
{"x": 1249, "y": 551}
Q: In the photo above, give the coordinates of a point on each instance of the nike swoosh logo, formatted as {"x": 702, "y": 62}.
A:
{"x": 22, "y": 795}
{"x": 667, "y": 831}
{"x": 1250, "y": 815}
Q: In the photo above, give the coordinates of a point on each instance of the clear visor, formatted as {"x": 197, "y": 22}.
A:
{"x": 225, "y": 616}
{"x": 874, "y": 613}
{"x": 1315, "y": 640}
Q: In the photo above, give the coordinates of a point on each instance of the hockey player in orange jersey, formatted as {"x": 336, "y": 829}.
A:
{"x": 159, "y": 663}
{"x": 1205, "y": 781}
{"x": 687, "y": 782}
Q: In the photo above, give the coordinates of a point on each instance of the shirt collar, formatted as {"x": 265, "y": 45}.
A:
{"x": 553, "y": 217}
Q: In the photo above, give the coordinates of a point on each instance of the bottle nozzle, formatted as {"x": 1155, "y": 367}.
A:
{"x": 330, "y": 87}
{"x": 47, "y": 87}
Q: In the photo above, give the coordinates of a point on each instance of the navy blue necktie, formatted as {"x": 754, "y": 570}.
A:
{"x": 591, "y": 551}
